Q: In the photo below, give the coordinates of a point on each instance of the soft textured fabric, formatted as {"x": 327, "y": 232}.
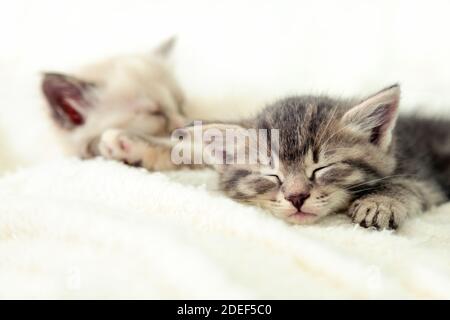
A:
{"x": 72, "y": 229}
{"x": 100, "y": 229}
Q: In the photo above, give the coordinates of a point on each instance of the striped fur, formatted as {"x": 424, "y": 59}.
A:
{"x": 347, "y": 156}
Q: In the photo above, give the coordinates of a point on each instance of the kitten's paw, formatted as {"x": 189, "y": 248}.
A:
{"x": 378, "y": 211}
{"x": 118, "y": 145}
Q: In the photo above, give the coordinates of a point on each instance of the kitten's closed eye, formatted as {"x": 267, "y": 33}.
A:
{"x": 276, "y": 178}
{"x": 315, "y": 171}
{"x": 157, "y": 113}
{"x": 339, "y": 173}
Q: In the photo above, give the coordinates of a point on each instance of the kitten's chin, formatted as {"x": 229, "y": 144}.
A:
{"x": 301, "y": 217}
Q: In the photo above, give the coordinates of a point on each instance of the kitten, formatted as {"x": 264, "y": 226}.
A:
{"x": 345, "y": 156}
{"x": 123, "y": 108}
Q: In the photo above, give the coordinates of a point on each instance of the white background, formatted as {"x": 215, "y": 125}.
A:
{"x": 232, "y": 56}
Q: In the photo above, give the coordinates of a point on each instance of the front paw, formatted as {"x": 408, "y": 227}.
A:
{"x": 116, "y": 144}
{"x": 377, "y": 211}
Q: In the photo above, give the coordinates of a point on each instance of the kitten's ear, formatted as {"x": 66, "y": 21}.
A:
{"x": 166, "y": 47}
{"x": 68, "y": 98}
{"x": 375, "y": 117}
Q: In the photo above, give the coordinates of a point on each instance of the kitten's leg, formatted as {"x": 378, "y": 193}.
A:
{"x": 389, "y": 206}
{"x": 152, "y": 153}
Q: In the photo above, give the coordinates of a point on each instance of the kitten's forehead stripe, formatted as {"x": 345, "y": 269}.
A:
{"x": 300, "y": 121}
{"x": 315, "y": 153}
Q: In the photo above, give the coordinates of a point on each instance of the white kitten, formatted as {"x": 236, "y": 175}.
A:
{"x": 123, "y": 108}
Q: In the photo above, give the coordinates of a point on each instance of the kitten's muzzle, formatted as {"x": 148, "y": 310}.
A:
{"x": 298, "y": 199}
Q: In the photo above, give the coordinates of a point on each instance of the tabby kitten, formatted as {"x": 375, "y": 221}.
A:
{"x": 123, "y": 108}
{"x": 345, "y": 156}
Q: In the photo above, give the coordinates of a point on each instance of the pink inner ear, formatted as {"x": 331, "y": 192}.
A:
{"x": 65, "y": 96}
{"x": 376, "y": 116}
{"x": 386, "y": 115}
{"x": 75, "y": 117}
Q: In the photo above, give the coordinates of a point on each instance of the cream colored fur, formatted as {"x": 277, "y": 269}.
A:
{"x": 128, "y": 89}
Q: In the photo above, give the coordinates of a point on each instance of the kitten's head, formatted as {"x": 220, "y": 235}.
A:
{"x": 137, "y": 92}
{"x": 328, "y": 152}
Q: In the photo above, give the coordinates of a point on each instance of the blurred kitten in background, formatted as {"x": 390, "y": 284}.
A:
{"x": 122, "y": 108}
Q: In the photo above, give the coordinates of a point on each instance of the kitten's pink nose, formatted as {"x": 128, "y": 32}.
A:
{"x": 298, "y": 199}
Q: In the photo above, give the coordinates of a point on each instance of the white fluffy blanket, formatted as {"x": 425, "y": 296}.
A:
{"x": 99, "y": 229}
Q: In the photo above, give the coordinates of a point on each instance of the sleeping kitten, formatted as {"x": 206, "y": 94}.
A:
{"x": 123, "y": 108}
{"x": 345, "y": 156}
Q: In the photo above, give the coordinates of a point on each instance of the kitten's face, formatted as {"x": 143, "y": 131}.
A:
{"x": 329, "y": 151}
{"x": 137, "y": 93}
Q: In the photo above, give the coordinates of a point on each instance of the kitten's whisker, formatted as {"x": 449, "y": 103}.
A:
{"x": 339, "y": 149}
{"x": 334, "y": 134}
{"x": 376, "y": 180}
{"x": 322, "y": 134}
{"x": 367, "y": 189}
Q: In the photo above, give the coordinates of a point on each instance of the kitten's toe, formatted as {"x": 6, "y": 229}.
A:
{"x": 378, "y": 211}
{"x": 383, "y": 218}
{"x": 398, "y": 214}
{"x": 363, "y": 213}
{"x": 115, "y": 144}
